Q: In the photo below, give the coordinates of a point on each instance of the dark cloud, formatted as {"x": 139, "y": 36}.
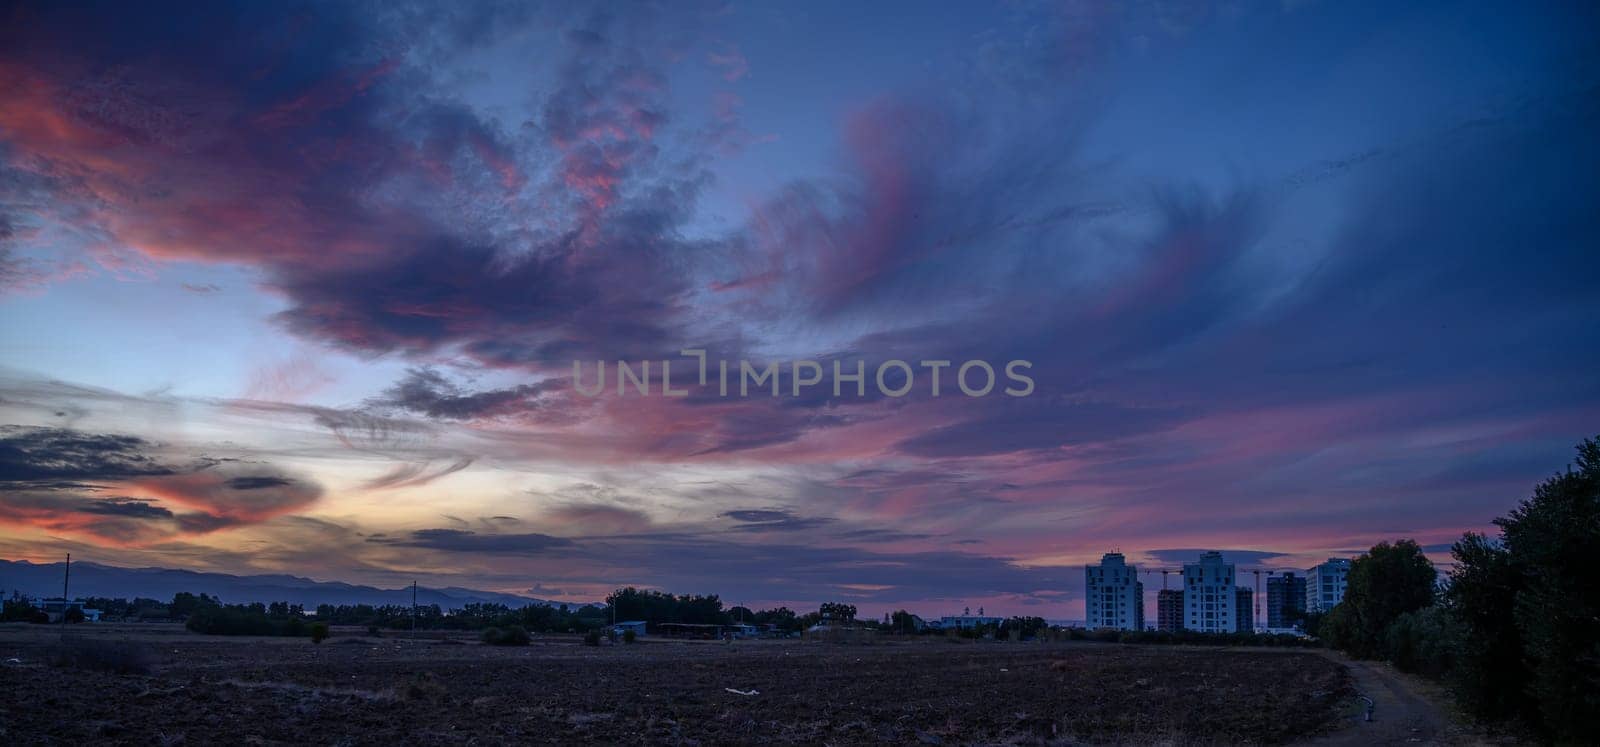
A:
{"x": 257, "y": 483}
{"x": 427, "y": 392}
{"x": 58, "y": 455}
{"x": 774, "y": 520}
{"x": 127, "y": 507}
{"x": 51, "y": 478}
{"x": 1240, "y": 558}
{"x": 466, "y": 541}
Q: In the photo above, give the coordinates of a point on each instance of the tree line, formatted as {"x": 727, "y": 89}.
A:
{"x": 1513, "y": 629}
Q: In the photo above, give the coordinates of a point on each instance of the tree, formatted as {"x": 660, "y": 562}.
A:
{"x": 1554, "y": 539}
{"x": 1490, "y": 676}
{"x": 1384, "y": 583}
{"x": 838, "y": 611}
{"x": 903, "y": 622}
{"x": 20, "y": 609}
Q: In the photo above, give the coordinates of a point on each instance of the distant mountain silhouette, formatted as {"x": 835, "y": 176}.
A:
{"x": 95, "y": 580}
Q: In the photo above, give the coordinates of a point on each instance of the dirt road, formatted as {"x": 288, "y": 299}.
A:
{"x": 1404, "y": 710}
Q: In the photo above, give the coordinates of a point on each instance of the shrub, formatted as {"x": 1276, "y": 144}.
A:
{"x": 19, "y": 609}
{"x": 628, "y": 636}
{"x": 73, "y": 615}
{"x": 592, "y": 638}
{"x": 512, "y": 635}
{"x": 372, "y": 630}
{"x": 1423, "y": 642}
{"x": 115, "y": 657}
{"x": 319, "y": 632}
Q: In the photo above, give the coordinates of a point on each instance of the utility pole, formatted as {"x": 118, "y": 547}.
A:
{"x": 413, "y": 607}
{"x": 66, "y": 578}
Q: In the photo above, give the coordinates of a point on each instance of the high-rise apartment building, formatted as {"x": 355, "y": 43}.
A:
{"x": 1286, "y": 600}
{"x": 1169, "y": 610}
{"x": 1114, "y": 596}
{"x": 1209, "y": 595}
{"x": 1325, "y": 584}
{"x": 1244, "y": 615}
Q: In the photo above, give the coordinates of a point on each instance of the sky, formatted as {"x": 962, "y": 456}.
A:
{"x": 299, "y": 288}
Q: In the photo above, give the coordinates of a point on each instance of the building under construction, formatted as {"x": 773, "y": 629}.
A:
{"x": 1169, "y": 610}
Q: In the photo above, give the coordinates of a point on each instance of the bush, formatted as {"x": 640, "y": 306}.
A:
{"x": 372, "y": 630}
{"x": 512, "y": 635}
{"x": 592, "y": 638}
{"x": 19, "y": 609}
{"x": 73, "y": 615}
{"x": 115, "y": 657}
{"x": 319, "y": 632}
{"x": 243, "y": 620}
{"x": 1423, "y": 642}
{"x": 628, "y": 636}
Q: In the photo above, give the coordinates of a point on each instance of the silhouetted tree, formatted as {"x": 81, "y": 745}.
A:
{"x": 1384, "y": 583}
{"x": 838, "y": 611}
{"x": 1531, "y": 609}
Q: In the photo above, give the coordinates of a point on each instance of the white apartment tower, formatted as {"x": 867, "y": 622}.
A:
{"x": 1209, "y": 605}
{"x": 1325, "y": 584}
{"x": 1114, "y": 596}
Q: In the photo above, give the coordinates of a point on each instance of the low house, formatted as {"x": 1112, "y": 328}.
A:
{"x": 637, "y": 626}
{"x": 967, "y": 622}
{"x": 57, "y": 607}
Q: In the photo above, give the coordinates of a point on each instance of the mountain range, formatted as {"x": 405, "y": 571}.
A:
{"x": 95, "y": 580}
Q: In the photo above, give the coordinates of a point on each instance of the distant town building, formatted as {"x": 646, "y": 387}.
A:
{"x": 1286, "y": 600}
{"x": 1208, "y": 595}
{"x": 1244, "y": 614}
{"x": 1325, "y": 584}
{"x": 1169, "y": 610}
{"x": 966, "y": 622}
{"x": 637, "y": 626}
{"x": 1114, "y": 596}
{"x": 57, "y": 607}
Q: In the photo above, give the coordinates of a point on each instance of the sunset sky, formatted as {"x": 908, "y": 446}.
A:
{"x": 298, "y": 288}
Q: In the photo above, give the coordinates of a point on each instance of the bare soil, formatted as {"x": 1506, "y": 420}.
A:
{"x": 358, "y": 690}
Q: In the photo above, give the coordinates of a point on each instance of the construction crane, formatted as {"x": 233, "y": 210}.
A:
{"x": 1163, "y": 572}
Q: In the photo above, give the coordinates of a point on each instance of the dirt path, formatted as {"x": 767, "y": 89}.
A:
{"x": 1402, "y": 713}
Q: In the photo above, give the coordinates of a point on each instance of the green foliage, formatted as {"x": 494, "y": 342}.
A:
{"x": 628, "y": 636}
{"x": 1384, "y": 583}
{"x": 73, "y": 615}
{"x": 20, "y": 609}
{"x": 1490, "y": 675}
{"x": 592, "y": 638}
{"x": 657, "y": 607}
{"x": 1530, "y": 608}
{"x": 319, "y": 632}
{"x": 511, "y": 635}
{"x": 1337, "y": 628}
{"x": 838, "y": 611}
{"x": 1423, "y": 642}
{"x": 184, "y": 604}
{"x": 243, "y": 619}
